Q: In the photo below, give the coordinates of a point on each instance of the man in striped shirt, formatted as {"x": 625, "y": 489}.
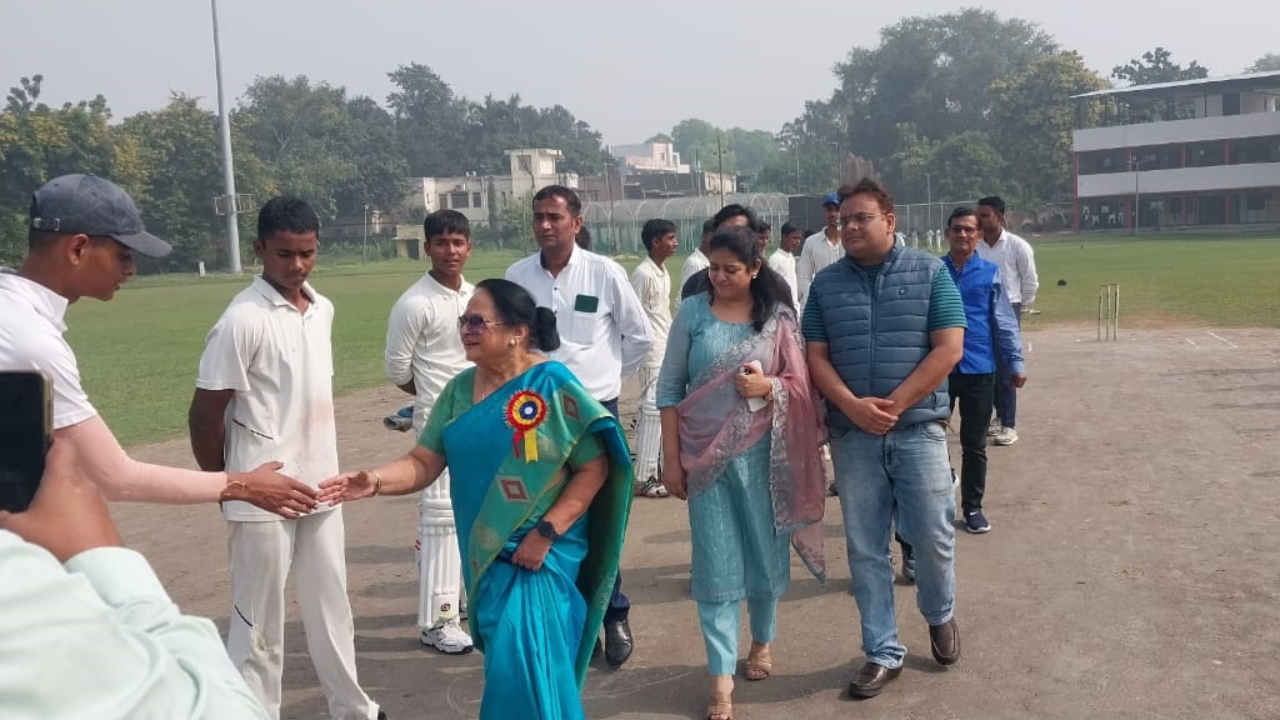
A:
{"x": 883, "y": 328}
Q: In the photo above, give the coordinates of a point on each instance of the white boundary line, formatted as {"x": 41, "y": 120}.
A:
{"x": 1191, "y": 342}
{"x": 1219, "y": 337}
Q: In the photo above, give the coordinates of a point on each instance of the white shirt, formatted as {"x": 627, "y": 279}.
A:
{"x": 784, "y": 263}
{"x": 604, "y": 334}
{"x": 1017, "y": 264}
{"x": 100, "y": 638}
{"x": 818, "y": 252}
{"x": 423, "y": 342}
{"x": 652, "y": 284}
{"x": 31, "y": 327}
{"x": 695, "y": 263}
{"x": 279, "y": 362}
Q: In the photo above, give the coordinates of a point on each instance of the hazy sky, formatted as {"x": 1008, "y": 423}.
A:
{"x": 630, "y": 70}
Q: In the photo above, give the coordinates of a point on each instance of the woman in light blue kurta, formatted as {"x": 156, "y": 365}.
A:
{"x": 741, "y": 435}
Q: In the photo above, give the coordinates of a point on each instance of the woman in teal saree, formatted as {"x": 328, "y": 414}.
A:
{"x": 541, "y": 493}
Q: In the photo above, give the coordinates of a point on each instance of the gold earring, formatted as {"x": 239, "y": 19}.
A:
{"x": 512, "y": 342}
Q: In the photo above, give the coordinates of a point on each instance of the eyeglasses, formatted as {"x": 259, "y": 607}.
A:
{"x": 476, "y": 323}
{"x": 962, "y": 230}
{"x": 861, "y": 219}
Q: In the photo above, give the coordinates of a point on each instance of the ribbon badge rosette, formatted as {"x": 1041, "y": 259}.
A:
{"x": 525, "y": 412}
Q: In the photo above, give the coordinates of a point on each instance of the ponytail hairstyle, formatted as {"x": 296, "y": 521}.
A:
{"x": 516, "y": 307}
{"x": 768, "y": 289}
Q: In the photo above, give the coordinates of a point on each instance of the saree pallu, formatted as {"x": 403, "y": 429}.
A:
{"x": 507, "y": 456}
{"x": 716, "y": 425}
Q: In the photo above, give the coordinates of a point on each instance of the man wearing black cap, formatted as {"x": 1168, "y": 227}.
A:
{"x": 820, "y": 249}
{"x": 83, "y": 233}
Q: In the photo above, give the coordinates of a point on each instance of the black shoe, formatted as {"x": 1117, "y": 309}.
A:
{"x": 871, "y": 679}
{"x": 944, "y": 641}
{"x": 908, "y": 563}
{"x": 617, "y": 642}
{"x": 382, "y": 715}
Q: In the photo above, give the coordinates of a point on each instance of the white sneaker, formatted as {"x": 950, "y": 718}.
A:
{"x": 1006, "y": 436}
{"x": 994, "y": 428}
{"x": 448, "y": 638}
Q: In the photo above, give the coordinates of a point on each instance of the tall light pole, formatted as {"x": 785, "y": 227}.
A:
{"x": 928, "y": 200}
{"x": 228, "y": 173}
{"x": 1137, "y": 168}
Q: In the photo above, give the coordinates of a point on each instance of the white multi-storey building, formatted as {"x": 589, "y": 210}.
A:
{"x": 1196, "y": 152}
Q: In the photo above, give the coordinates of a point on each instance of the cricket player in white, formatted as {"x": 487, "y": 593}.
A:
{"x": 265, "y": 390}
{"x": 424, "y": 351}
{"x": 652, "y": 284}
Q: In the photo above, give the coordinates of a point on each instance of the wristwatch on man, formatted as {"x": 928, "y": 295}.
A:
{"x": 547, "y": 530}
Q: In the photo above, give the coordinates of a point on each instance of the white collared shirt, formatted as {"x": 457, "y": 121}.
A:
{"x": 784, "y": 263}
{"x": 1017, "y": 264}
{"x": 818, "y": 252}
{"x": 652, "y": 284}
{"x": 279, "y": 362}
{"x": 423, "y": 342}
{"x": 604, "y": 334}
{"x": 104, "y": 619}
{"x": 695, "y": 263}
{"x": 31, "y": 327}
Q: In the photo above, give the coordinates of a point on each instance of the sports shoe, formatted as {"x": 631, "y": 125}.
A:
{"x": 652, "y": 488}
{"x": 1006, "y": 436}
{"x": 975, "y": 522}
{"x": 994, "y": 428}
{"x": 448, "y": 638}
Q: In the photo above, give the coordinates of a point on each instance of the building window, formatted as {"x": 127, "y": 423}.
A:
{"x": 1164, "y": 157}
{"x": 476, "y": 200}
{"x": 1210, "y": 210}
{"x": 1103, "y": 161}
{"x": 1255, "y": 150}
{"x": 444, "y": 202}
{"x": 459, "y": 200}
{"x": 1205, "y": 155}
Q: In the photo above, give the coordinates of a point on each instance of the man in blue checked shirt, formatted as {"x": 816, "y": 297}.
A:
{"x": 992, "y": 332}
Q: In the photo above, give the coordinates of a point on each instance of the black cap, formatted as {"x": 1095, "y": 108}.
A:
{"x": 92, "y": 205}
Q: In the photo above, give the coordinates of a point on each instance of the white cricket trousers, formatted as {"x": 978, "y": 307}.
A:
{"x": 648, "y": 427}
{"x": 262, "y": 554}
{"x": 440, "y": 592}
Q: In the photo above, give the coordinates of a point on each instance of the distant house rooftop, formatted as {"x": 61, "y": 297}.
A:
{"x": 1230, "y": 83}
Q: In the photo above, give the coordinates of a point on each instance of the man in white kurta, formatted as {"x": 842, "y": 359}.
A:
{"x": 424, "y": 351}
{"x": 783, "y": 260}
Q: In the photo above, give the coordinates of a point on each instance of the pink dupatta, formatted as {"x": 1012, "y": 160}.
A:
{"x": 716, "y": 426}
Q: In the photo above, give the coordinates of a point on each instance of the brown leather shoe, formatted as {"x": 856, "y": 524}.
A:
{"x": 871, "y": 679}
{"x": 944, "y": 641}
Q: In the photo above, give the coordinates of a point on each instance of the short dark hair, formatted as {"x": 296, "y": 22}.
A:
{"x": 560, "y": 191}
{"x": 445, "y": 222}
{"x": 583, "y": 239}
{"x": 995, "y": 202}
{"x": 761, "y": 226}
{"x": 788, "y": 228}
{"x": 289, "y": 214}
{"x": 517, "y": 307}
{"x": 733, "y": 210}
{"x": 40, "y": 240}
{"x": 768, "y": 289}
{"x": 709, "y": 225}
{"x": 868, "y": 186}
{"x": 655, "y": 230}
{"x": 959, "y": 212}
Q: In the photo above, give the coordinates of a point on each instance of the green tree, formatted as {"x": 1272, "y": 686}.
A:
{"x": 1267, "y": 63}
{"x": 429, "y": 120}
{"x": 935, "y": 72}
{"x": 176, "y": 155}
{"x": 1157, "y": 66}
{"x": 696, "y": 141}
{"x": 1032, "y": 117}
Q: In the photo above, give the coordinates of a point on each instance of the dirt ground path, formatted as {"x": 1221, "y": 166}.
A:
{"x": 1131, "y": 571}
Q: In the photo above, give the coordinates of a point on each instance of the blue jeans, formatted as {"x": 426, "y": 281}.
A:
{"x": 1006, "y": 395}
{"x": 906, "y": 469}
{"x": 619, "y": 605}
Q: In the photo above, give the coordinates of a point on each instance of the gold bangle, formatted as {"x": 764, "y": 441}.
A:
{"x": 377, "y": 481}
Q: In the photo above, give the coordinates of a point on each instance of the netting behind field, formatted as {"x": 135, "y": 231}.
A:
{"x": 615, "y": 226}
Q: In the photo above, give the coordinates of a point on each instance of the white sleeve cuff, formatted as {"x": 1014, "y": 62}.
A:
{"x": 118, "y": 574}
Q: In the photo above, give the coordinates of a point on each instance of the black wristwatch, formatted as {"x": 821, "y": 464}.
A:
{"x": 547, "y": 530}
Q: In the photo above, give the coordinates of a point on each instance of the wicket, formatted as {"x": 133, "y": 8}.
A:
{"x": 1109, "y": 312}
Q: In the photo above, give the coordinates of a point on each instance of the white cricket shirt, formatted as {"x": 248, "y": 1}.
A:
{"x": 652, "y": 284}
{"x": 423, "y": 342}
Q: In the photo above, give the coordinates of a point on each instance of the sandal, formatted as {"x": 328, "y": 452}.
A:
{"x": 719, "y": 708}
{"x": 759, "y": 662}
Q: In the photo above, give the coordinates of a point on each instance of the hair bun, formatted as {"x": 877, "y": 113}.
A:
{"x": 544, "y": 330}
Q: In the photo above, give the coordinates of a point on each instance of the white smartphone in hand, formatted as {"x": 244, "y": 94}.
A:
{"x": 754, "y": 404}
